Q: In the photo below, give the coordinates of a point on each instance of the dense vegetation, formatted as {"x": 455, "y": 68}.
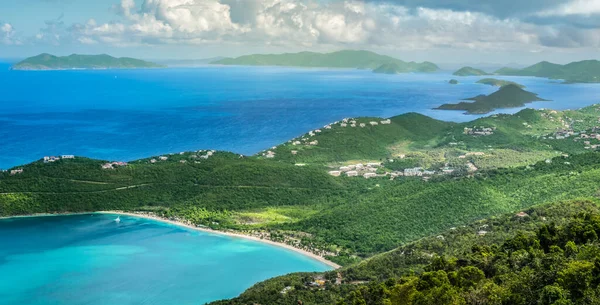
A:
{"x": 470, "y": 71}
{"x": 498, "y": 82}
{"x": 74, "y": 61}
{"x": 340, "y": 59}
{"x": 548, "y": 254}
{"x": 587, "y": 71}
{"x": 508, "y": 96}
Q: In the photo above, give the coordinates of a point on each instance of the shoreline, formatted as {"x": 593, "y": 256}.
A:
{"x": 195, "y": 228}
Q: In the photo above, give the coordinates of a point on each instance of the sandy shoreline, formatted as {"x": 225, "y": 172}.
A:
{"x": 206, "y": 230}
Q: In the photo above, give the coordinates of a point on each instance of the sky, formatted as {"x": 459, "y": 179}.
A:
{"x": 453, "y": 31}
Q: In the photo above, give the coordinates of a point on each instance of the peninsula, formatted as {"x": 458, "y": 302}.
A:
{"x": 341, "y": 59}
{"x": 587, "y": 71}
{"x": 50, "y": 62}
{"x": 509, "y": 96}
{"x": 339, "y": 192}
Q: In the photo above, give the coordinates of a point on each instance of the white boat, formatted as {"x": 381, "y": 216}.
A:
{"x": 118, "y": 219}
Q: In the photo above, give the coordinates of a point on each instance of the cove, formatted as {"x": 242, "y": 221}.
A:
{"x": 91, "y": 259}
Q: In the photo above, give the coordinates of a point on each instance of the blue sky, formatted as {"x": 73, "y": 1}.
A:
{"x": 436, "y": 30}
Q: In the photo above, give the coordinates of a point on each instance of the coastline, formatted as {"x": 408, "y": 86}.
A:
{"x": 191, "y": 227}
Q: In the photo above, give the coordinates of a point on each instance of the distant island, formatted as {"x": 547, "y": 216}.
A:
{"x": 50, "y": 62}
{"x": 390, "y": 68}
{"x": 587, "y": 71}
{"x": 509, "y": 96}
{"x": 470, "y": 71}
{"x": 498, "y": 82}
{"x": 341, "y": 59}
{"x": 453, "y": 82}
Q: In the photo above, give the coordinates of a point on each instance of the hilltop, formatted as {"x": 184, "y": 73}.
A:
{"x": 498, "y": 82}
{"x": 508, "y": 96}
{"x": 74, "y": 61}
{"x": 587, "y": 71}
{"x": 341, "y": 59}
{"x": 470, "y": 71}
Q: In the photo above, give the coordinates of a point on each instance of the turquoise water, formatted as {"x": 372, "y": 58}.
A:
{"x": 124, "y": 115}
{"x": 91, "y": 259}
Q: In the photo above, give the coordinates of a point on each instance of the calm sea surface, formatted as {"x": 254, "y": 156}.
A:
{"x": 91, "y": 259}
{"x": 130, "y": 114}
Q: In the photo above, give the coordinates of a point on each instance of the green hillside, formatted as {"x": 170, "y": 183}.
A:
{"x": 587, "y": 71}
{"x": 508, "y": 96}
{"x": 498, "y": 82}
{"x": 74, "y": 61}
{"x": 547, "y": 254}
{"x": 294, "y": 193}
{"x": 470, "y": 71}
{"x": 340, "y": 59}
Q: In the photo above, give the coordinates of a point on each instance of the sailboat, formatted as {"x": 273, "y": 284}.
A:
{"x": 118, "y": 219}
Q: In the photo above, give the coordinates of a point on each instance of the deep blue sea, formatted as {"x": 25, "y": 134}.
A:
{"x": 130, "y": 114}
{"x": 93, "y": 260}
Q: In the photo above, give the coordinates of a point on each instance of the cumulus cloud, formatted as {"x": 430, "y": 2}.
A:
{"x": 8, "y": 34}
{"x": 393, "y": 24}
{"x": 574, "y": 7}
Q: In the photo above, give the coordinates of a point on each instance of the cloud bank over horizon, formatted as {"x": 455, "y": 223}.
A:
{"x": 534, "y": 26}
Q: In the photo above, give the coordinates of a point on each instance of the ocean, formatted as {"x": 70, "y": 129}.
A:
{"x": 123, "y": 115}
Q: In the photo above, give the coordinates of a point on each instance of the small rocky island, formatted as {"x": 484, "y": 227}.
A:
{"x": 73, "y": 62}
{"x": 498, "y": 82}
{"x": 469, "y": 71}
{"x": 509, "y": 96}
{"x": 453, "y": 82}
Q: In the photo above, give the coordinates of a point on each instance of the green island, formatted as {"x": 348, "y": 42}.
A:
{"x": 340, "y": 59}
{"x": 50, "y": 62}
{"x": 453, "y": 82}
{"x": 508, "y": 96}
{"x": 470, "y": 71}
{"x": 417, "y": 211}
{"x": 498, "y": 82}
{"x": 586, "y": 71}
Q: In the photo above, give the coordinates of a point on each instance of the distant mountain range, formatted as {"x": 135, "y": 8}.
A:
{"x": 587, "y": 71}
{"x": 50, "y": 62}
{"x": 341, "y": 59}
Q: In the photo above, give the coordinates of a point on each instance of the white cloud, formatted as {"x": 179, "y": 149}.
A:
{"x": 8, "y": 34}
{"x": 573, "y": 7}
{"x": 297, "y": 24}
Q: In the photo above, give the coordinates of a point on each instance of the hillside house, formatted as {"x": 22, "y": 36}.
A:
{"x": 352, "y": 173}
{"x": 163, "y": 158}
{"x": 294, "y": 152}
{"x": 412, "y": 172}
{"x": 335, "y": 173}
{"x": 386, "y": 122}
{"x": 345, "y": 168}
{"x": 296, "y": 143}
{"x": 270, "y": 154}
{"x": 363, "y": 125}
{"x": 67, "y": 157}
{"x": 153, "y": 161}
{"x": 314, "y": 143}
{"x": 373, "y": 123}
{"x": 16, "y": 171}
{"x": 343, "y": 124}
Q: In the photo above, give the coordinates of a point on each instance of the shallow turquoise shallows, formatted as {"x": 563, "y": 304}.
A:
{"x": 91, "y": 259}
